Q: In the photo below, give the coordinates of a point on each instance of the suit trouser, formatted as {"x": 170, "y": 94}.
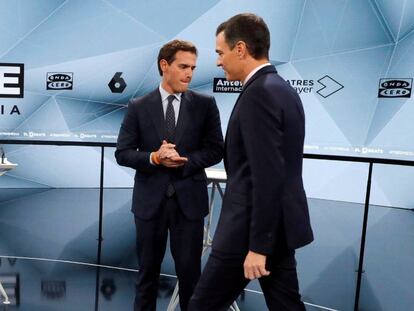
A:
{"x": 186, "y": 242}
{"x": 223, "y": 280}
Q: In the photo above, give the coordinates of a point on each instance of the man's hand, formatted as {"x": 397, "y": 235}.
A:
{"x": 174, "y": 162}
{"x": 254, "y": 266}
{"x": 168, "y": 156}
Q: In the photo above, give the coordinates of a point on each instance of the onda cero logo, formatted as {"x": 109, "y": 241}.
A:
{"x": 59, "y": 81}
{"x": 395, "y": 88}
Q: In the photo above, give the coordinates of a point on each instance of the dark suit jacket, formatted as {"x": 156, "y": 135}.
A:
{"x": 265, "y": 200}
{"x": 198, "y": 137}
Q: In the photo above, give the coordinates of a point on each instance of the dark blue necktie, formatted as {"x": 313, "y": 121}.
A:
{"x": 170, "y": 134}
{"x": 170, "y": 120}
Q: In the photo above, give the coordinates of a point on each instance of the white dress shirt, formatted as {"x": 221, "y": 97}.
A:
{"x": 176, "y": 105}
{"x": 254, "y": 71}
{"x": 176, "y": 102}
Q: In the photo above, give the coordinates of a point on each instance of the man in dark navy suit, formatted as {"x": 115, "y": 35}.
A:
{"x": 264, "y": 216}
{"x": 169, "y": 136}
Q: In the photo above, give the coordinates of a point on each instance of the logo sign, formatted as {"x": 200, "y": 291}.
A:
{"x": 59, "y": 81}
{"x": 117, "y": 83}
{"x": 395, "y": 88}
{"x": 329, "y": 86}
{"x": 221, "y": 85}
{"x": 301, "y": 86}
{"x": 11, "y": 80}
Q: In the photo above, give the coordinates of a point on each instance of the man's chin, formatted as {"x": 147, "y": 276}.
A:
{"x": 181, "y": 89}
{"x": 229, "y": 77}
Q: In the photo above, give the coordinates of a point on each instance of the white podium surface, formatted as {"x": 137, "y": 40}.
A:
{"x": 216, "y": 174}
{"x": 6, "y": 166}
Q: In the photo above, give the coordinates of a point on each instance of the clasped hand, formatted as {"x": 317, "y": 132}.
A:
{"x": 168, "y": 156}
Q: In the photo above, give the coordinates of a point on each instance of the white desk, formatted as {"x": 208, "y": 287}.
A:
{"x": 216, "y": 174}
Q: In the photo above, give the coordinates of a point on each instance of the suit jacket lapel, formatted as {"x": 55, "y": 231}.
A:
{"x": 154, "y": 107}
{"x": 264, "y": 70}
{"x": 183, "y": 116}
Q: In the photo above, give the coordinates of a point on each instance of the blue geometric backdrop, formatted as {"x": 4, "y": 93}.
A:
{"x": 333, "y": 51}
{"x": 353, "y": 42}
{"x": 345, "y": 45}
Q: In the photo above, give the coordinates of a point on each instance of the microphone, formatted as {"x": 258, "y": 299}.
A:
{"x": 4, "y": 294}
{"x": 2, "y": 154}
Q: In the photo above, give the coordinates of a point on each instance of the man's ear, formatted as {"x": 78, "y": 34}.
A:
{"x": 163, "y": 65}
{"x": 241, "y": 49}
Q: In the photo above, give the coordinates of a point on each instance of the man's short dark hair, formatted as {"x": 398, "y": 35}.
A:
{"x": 169, "y": 50}
{"x": 249, "y": 28}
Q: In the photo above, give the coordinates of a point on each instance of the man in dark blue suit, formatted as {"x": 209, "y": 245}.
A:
{"x": 169, "y": 136}
{"x": 264, "y": 216}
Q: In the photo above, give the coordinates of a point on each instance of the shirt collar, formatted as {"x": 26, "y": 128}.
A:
{"x": 254, "y": 71}
{"x": 165, "y": 94}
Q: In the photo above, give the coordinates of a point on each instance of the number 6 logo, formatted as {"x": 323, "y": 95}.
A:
{"x": 117, "y": 83}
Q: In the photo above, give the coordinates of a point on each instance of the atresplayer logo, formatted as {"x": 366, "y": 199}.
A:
{"x": 395, "y": 88}
{"x": 326, "y": 86}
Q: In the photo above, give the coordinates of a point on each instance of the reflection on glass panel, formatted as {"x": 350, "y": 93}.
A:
{"x": 54, "y": 223}
{"x": 327, "y": 267}
{"x": 11, "y": 286}
{"x": 35, "y": 285}
{"x": 387, "y": 282}
{"x": 52, "y": 167}
{"x": 118, "y": 246}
